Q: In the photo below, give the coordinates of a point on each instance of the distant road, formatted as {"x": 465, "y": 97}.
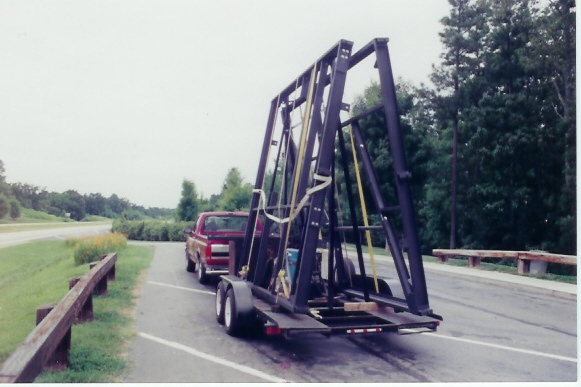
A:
{"x": 20, "y": 237}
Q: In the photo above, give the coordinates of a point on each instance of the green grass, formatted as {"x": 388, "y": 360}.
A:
{"x": 28, "y": 215}
{"x": 483, "y": 265}
{"x": 38, "y": 273}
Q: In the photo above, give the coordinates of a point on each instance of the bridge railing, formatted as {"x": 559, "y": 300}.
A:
{"x": 47, "y": 346}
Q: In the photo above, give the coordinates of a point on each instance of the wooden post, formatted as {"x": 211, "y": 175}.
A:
{"x": 442, "y": 258}
{"x": 43, "y": 311}
{"x": 101, "y": 287}
{"x": 231, "y": 257}
{"x": 523, "y": 266}
{"x": 86, "y": 312}
{"x": 111, "y": 274}
{"x": 58, "y": 360}
{"x": 473, "y": 261}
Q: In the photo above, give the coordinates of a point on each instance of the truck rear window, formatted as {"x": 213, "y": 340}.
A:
{"x": 225, "y": 223}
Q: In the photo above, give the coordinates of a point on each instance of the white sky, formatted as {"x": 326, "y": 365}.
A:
{"x": 131, "y": 97}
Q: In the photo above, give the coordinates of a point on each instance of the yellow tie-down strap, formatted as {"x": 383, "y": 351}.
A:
{"x": 363, "y": 211}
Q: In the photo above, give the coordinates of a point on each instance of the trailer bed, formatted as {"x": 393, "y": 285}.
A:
{"x": 338, "y": 320}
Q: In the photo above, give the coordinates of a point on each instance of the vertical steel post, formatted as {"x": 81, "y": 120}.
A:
{"x": 402, "y": 175}
{"x": 245, "y": 253}
{"x": 323, "y": 168}
{"x": 331, "y": 256}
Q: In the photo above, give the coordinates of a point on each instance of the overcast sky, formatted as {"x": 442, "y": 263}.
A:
{"x": 131, "y": 97}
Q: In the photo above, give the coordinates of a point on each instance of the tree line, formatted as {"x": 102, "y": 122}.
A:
{"x": 492, "y": 145}
{"x": 14, "y": 196}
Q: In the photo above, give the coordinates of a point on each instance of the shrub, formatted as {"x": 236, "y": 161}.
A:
{"x": 151, "y": 230}
{"x": 90, "y": 249}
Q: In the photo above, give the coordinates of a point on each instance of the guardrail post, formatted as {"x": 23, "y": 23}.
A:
{"x": 473, "y": 261}
{"x": 101, "y": 287}
{"x": 523, "y": 265}
{"x": 442, "y": 258}
{"x": 86, "y": 312}
{"x": 59, "y": 359}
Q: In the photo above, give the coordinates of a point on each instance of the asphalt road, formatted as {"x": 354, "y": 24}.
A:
{"x": 20, "y": 237}
{"x": 489, "y": 334}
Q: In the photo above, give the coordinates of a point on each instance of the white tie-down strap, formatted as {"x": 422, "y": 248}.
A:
{"x": 325, "y": 182}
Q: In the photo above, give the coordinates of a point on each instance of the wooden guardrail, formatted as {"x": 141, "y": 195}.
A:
{"x": 523, "y": 258}
{"x": 48, "y": 344}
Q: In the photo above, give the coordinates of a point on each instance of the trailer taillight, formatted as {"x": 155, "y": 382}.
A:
{"x": 272, "y": 330}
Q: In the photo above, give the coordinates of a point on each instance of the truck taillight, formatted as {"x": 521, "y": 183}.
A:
{"x": 272, "y": 330}
{"x": 208, "y": 249}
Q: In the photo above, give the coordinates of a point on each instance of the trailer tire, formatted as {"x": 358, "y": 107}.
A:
{"x": 231, "y": 317}
{"x": 349, "y": 272}
{"x": 220, "y": 302}
{"x": 202, "y": 276}
{"x": 190, "y": 265}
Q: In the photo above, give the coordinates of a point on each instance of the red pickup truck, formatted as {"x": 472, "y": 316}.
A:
{"x": 205, "y": 249}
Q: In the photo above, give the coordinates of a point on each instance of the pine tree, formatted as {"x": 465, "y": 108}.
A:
{"x": 456, "y": 79}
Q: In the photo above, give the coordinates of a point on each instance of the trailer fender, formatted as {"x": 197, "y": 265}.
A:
{"x": 242, "y": 295}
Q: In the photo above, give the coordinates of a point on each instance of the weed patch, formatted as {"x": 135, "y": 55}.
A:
{"x": 87, "y": 250}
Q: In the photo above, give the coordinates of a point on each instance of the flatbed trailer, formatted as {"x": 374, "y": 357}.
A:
{"x": 292, "y": 277}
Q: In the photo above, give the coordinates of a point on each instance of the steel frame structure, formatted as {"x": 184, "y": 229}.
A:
{"x": 324, "y": 93}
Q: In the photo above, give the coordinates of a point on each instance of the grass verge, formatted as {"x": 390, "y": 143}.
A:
{"x": 38, "y": 273}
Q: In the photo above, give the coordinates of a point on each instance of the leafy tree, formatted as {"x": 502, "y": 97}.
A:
{"x": 116, "y": 205}
{"x": 74, "y": 204}
{"x": 29, "y": 195}
{"x": 235, "y": 195}
{"x": 14, "y": 209}
{"x": 4, "y": 206}
{"x": 188, "y": 206}
{"x": 4, "y": 187}
{"x": 95, "y": 204}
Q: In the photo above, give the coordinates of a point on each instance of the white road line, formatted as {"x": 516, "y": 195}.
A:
{"x": 215, "y": 359}
{"x": 181, "y": 288}
{"x": 527, "y": 351}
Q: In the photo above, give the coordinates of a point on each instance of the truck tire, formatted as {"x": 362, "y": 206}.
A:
{"x": 190, "y": 265}
{"x": 231, "y": 318}
{"x": 220, "y": 302}
{"x": 202, "y": 276}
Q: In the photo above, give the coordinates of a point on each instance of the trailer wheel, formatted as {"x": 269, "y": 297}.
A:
{"x": 349, "y": 271}
{"x": 220, "y": 302}
{"x": 231, "y": 317}
{"x": 190, "y": 265}
{"x": 202, "y": 276}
